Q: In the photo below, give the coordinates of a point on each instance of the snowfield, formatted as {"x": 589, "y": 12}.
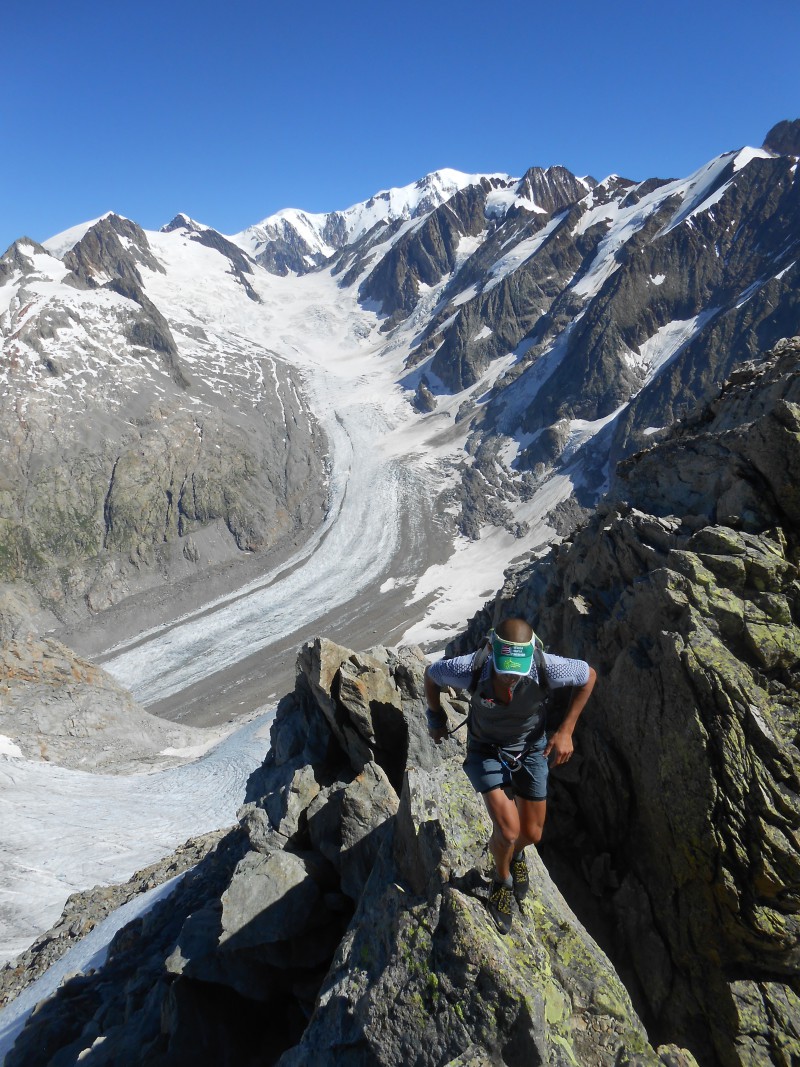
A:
{"x": 63, "y": 830}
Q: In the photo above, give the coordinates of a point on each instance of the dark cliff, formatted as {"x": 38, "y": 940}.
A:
{"x": 683, "y": 591}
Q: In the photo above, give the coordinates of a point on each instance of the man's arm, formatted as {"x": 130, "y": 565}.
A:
{"x": 437, "y": 719}
{"x": 560, "y": 744}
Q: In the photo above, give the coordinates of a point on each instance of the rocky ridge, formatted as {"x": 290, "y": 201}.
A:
{"x": 350, "y": 894}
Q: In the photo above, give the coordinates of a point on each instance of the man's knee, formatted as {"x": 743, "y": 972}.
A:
{"x": 505, "y": 833}
{"x": 504, "y": 815}
{"x": 532, "y": 815}
{"x": 534, "y": 832}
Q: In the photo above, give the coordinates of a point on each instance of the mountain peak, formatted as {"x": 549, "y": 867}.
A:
{"x": 784, "y": 138}
{"x": 62, "y": 242}
{"x": 294, "y": 240}
{"x": 183, "y": 222}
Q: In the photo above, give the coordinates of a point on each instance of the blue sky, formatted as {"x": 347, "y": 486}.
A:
{"x": 232, "y": 111}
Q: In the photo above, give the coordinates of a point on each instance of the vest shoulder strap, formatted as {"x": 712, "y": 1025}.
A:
{"x": 480, "y": 658}
{"x": 538, "y": 659}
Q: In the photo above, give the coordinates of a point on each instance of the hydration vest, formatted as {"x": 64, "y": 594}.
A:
{"x": 509, "y": 726}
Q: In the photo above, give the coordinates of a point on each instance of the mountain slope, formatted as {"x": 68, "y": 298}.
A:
{"x": 545, "y": 326}
{"x": 124, "y": 456}
{"x": 611, "y": 311}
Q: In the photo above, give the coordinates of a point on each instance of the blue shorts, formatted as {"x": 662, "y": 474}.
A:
{"x": 486, "y": 772}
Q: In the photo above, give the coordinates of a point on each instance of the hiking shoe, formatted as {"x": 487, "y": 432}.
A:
{"x": 499, "y": 905}
{"x": 519, "y": 875}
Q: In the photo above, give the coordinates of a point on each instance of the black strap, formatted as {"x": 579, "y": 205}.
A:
{"x": 478, "y": 661}
{"x": 538, "y": 659}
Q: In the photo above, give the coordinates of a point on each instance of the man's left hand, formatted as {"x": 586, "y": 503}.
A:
{"x": 560, "y": 747}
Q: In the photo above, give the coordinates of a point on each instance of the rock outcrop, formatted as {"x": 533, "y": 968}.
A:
{"x": 57, "y": 707}
{"x": 425, "y": 254}
{"x": 683, "y": 812}
{"x": 784, "y": 138}
{"x": 343, "y": 921}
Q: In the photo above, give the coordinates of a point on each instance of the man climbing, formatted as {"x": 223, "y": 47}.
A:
{"x": 507, "y": 749}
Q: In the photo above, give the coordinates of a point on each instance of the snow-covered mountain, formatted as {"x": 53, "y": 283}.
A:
{"x": 539, "y": 326}
{"x": 613, "y": 311}
{"x": 215, "y": 446}
{"x": 298, "y": 241}
{"x": 133, "y": 443}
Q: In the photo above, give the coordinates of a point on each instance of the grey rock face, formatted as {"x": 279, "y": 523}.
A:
{"x": 286, "y": 252}
{"x": 65, "y": 1028}
{"x": 57, "y": 707}
{"x": 683, "y": 592}
{"x": 18, "y": 257}
{"x": 487, "y": 494}
{"x": 424, "y": 400}
{"x": 425, "y": 254}
{"x": 421, "y": 977}
{"x": 784, "y": 138}
{"x": 100, "y": 259}
{"x": 552, "y": 189}
{"x": 120, "y": 473}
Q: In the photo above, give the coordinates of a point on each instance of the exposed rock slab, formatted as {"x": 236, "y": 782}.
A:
{"x": 57, "y": 707}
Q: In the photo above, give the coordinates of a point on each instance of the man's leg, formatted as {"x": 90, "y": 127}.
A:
{"x": 505, "y": 831}
{"x": 531, "y": 781}
{"x": 505, "y": 816}
{"x": 531, "y": 822}
{"x": 531, "y": 819}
